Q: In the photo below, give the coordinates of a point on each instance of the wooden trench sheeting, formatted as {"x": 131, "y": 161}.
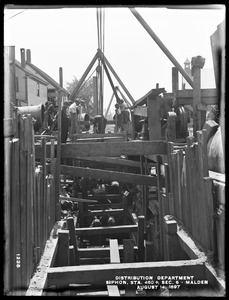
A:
{"x": 172, "y": 194}
{"x": 51, "y": 280}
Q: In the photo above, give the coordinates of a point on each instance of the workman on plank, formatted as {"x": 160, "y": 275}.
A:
{"x": 99, "y": 124}
{"x": 74, "y": 110}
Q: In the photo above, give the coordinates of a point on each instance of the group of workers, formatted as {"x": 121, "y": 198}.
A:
{"x": 70, "y": 118}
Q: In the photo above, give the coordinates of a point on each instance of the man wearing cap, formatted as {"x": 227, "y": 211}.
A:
{"x": 74, "y": 110}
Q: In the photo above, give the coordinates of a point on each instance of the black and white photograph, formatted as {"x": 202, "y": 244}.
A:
{"x": 114, "y": 150}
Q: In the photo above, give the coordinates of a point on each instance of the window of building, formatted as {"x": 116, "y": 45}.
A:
{"x": 38, "y": 89}
{"x": 16, "y": 84}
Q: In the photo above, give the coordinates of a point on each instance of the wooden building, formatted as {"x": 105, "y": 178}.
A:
{"x": 53, "y": 86}
{"x": 30, "y": 89}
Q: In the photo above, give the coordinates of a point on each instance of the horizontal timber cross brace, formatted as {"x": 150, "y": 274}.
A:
{"x": 107, "y": 149}
{"x": 108, "y": 175}
{"x": 99, "y": 274}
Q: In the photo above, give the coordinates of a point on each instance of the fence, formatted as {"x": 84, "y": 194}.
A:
{"x": 188, "y": 195}
{"x": 29, "y": 205}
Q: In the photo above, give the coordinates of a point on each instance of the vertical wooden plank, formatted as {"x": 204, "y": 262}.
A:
{"x": 48, "y": 205}
{"x": 163, "y": 200}
{"x": 188, "y": 164}
{"x": 196, "y": 197}
{"x": 58, "y": 160}
{"x": 63, "y": 249}
{"x": 44, "y": 190}
{"x": 170, "y": 167}
{"x": 154, "y": 122}
{"x": 140, "y": 233}
{"x": 202, "y": 140}
{"x": 73, "y": 240}
{"x": 81, "y": 214}
{"x": 71, "y": 255}
{"x": 29, "y": 227}
{"x": 114, "y": 258}
{"x": 179, "y": 180}
{"x": 197, "y": 64}
{"x": 175, "y": 79}
{"x": 172, "y": 244}
{"x": 16, "y": 220}
{"x": 184, "y": 187}
{"x": 143, "y": 188}
{"x": 114, "y": 252}
{"x": 125, "y": 209}
{"x": 159, "y": 186}
{"x": 133, "y": 125}
{"x": 208, "y": 183}
{"x": 95, "y": 96}
{"x": 8, "y": 189}
{"x": 128, "y": 257}
{"x": 23, "y": 197}
{"x": 39, "y": 210}
{"x": 35, "y": 208}
{"x": 167, "y": 189}
{"x": 202, "y": 195}
{"x": 53, "y": 172}
{"x": 171, "y": 126}
{"x": 173, "y": 182}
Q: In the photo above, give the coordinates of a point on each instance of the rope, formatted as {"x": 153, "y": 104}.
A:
{"x": 100, "y": 13}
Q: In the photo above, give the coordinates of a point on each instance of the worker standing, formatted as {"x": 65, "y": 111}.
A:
{"x": 74, "y": 110}
{"x": 65, "y": 122}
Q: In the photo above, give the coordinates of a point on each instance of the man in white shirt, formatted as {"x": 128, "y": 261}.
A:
{"x": 74, "y": 110}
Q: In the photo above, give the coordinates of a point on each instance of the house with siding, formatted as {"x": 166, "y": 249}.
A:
{"x": 53, "y": 86}
{"x": 34, "y": 86}
{"x": 30, "y": 89}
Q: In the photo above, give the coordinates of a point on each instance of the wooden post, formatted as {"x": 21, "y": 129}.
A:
{"x": 171, "y": 126}
{"x": 71, "y": 255}
{"x": 197, "y": 64}
{"x": 73, "y": 240}
{"x": 61, "y": 76}
{"x": 23, "y": 197}
{"x": 125, "y": 209}
{"x": 9, "y": 81}
{"x": 159, "y": 185}
{"x": 95, "y": 96}
{"x": 81, "y": 214}
{"x": 141, "y": 246}
{"x": 175, "y": 80}
{"x": 133, "y": 125}
{"x": 44, "y": 210}
{"x": 154, "y": 122}
{"x": 172, "y": 244}
{"x": 63, "y": 248}
{"x": 114, "y": 259}
{"x": 128, "y": 257}
{"x": 58, "y": 160}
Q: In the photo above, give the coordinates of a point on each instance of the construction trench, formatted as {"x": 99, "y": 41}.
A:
{"x": 119, "y": 214}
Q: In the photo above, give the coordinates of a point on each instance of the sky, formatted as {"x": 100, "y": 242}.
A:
{"x": 68, "y": 38}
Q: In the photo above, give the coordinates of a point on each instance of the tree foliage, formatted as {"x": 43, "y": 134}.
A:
{"x": 85, "y": 92}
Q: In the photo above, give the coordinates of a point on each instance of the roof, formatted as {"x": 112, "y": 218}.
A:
{"x": 30, "y": 74}
{"x": 47, "y": 78}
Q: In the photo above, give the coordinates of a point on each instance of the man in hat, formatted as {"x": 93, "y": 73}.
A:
{"x": 74, "y": 110}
